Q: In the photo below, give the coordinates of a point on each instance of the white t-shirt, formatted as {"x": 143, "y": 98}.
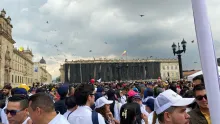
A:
{"x": 3, "y": 115}
{"x": 25, "y": 122}
{"x": 59, "y": 119}
{"x": 117, "y": 109}
{"x": 83, "y": 115}
{"x": 67, "y": 113}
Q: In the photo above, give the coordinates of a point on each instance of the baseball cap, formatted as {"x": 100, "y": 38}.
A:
{"x": 102, "y": 101}
{"x": 20, "y": 91}
{"x": 137, "y": 96}
{"x": 131, "y": 93}
{"x": 150, "y": 103}
{"x": 169, "y": 98}
{"x": 135, "y": 90}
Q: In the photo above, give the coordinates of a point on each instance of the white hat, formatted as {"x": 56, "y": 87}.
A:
{"x": 102, "y": 101}
{"x": 169, "y": 98}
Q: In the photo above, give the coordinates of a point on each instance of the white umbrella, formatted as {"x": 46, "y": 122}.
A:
{"x": 190, "y": 77}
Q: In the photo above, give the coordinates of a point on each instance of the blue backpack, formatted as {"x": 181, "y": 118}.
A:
{"x": 95, "y": 119}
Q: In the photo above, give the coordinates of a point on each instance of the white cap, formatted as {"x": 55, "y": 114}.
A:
{"x": 169, "y": 98}
{"x": 102, "y": 101}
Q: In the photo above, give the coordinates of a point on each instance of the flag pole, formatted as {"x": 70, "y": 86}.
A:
{"x": 207, "y": 57}
{"x": 126, "y": 56}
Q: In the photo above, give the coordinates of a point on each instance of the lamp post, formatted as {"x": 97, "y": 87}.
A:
{"x": 178, "y": 53}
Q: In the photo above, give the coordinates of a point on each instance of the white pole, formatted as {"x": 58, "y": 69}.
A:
{"x": 207, "y": 57}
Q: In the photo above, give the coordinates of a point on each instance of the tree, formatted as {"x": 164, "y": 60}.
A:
{"x": 58, "y": 79}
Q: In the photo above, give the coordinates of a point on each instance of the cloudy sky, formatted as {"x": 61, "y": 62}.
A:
{"x": 59, "y": 29}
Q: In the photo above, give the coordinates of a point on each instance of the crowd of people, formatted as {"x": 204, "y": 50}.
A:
{"x": 158, "y": 102}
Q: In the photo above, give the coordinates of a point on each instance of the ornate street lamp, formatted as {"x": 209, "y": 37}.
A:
{"x": 178, "y": 53}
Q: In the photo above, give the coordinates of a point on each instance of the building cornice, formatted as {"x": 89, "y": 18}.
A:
{"x": 123, "y": 61}
{"x": 6, "y": 21}
{"x": 6, "y": 36}
{"x": 22, "y": 56}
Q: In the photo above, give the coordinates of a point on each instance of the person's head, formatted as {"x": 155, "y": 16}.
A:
{"x": 63, "y": 91}
{"x": 7, "y": 90}
{"x": 170, "y": 108}
{"x": 148, "y": 92}
{"x": 17, "y": 109}
{"x": 149, "y": 105}
{"x": 40, "y": 106}
{"x": 70, "y": 103}
{"x": 150, "y": 85}
{"x": 200, "y": 95}
{"x": 20, "y": 91}
{"x": 137, "y": 99}
{"x": 84, "y": 95}
{"x": 41, "y": 90}
{"x": 130, "y": 94}
{"x": 198, "y": 80}
{"x": 102, "y": 106}
{"x": 71, "y": 91}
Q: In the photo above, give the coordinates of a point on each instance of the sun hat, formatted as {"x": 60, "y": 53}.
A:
{"x": 101, "y": 102}
{"x": 169, "y": 98}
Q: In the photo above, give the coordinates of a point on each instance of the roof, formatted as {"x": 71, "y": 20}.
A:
{"x": 42, "y": 61}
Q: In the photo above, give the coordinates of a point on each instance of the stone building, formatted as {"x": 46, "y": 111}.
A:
{"x": 16, "y": 66}
{"x": 111, "y": 70}
{"x": 41, "y": 75}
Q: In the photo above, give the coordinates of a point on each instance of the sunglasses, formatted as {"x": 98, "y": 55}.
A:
{"x": 12, "y": 112}
{"x": 92, "y": 94}
{"x": 201, "y": 97}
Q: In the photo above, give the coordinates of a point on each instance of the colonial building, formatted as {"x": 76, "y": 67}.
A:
{"x": 16, "y": 66}
{"x": 111, "y": 70}
{"x": 41, "y": 75}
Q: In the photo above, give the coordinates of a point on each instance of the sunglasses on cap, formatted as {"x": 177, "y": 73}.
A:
{"x": 201, "y": 97}
{"x": 12, "y": 112}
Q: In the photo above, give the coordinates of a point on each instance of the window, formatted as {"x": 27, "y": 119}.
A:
{"x": 164, "y": 74}
{"x": 163, "y": 67}
{"x": 176, "y": 67}
{"x": 15, "y": 79}
{"x": 167, "y": 67}
{"x": 12, "y": 78}
{"x": 171, "y": 67}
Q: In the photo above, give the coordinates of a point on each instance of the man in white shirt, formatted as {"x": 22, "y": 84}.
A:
{"x": 170, "y": 108}
{"x": 42, "y": 111}
{"x": 84, "y": 96}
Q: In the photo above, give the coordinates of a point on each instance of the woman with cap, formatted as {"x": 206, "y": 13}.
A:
{"x": 102, "y": 106}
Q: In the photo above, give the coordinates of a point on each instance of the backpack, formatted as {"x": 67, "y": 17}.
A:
{"x": 95, "y": 119}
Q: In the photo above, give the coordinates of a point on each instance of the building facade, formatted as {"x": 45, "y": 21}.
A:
{"x": 169, "y": 70}
{"x": 111, "y": 70}
{"x": 16, "y": 66}
{"x": 41, "y": 75}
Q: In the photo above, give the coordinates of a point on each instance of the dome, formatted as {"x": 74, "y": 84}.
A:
{"x": 42, "y": 61}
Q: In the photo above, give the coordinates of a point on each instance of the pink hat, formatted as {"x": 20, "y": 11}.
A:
{"x": 131, "y": 93}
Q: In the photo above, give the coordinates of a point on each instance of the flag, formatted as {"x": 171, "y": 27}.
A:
{"x": 99, "y": 80}
{"x": 124, "y": 53}
{"x": 36, "y": 69}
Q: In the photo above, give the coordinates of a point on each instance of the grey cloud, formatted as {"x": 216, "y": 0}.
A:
{"x": 83, "y": 25}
